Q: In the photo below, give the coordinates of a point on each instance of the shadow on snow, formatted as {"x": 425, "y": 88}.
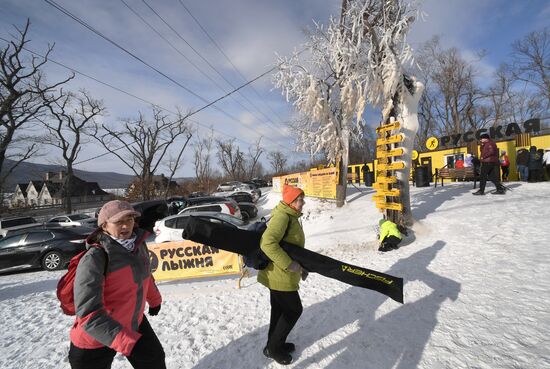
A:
{"x": 393, "y": 340}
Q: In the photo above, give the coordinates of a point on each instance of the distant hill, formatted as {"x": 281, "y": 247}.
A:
{"x": 27, "y": 171}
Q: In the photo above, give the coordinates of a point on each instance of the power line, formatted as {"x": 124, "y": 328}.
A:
{"x": 190, "y": 61}
{"x": 83, "y": 23}
{"x": 228, "y": 59}
{"x": 128, "y": 94}
{"x": 204, "y": 59}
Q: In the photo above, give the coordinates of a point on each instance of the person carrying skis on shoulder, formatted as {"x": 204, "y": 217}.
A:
{"x": 112, "y": 284}
{"x": 282, "y": 274}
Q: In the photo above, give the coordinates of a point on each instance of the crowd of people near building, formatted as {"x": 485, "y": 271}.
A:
{"x": 533, "y": 165}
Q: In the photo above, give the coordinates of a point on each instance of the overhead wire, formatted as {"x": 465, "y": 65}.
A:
{"x": 228, "y": 58}
{"x": 192, "y": 63}
{"x": 205, "y": 60}
{"x": 74, "y": 70}
{"x": 83, "y": 23}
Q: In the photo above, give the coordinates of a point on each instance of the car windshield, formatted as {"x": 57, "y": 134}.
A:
{"x": 78, "y": 217}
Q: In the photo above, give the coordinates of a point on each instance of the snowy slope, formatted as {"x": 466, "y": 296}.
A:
{"x": 476, "y": 272}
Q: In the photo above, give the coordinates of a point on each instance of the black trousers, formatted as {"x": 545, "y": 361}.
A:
{"x": 147, "y": 353}
{"x": 505, "y": 173}
{"x": 489, "y": 171}
{"x": 392, "y": 241}
{"x": 286, "y": 308}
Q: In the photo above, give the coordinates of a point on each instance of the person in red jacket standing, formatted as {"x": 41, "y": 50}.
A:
{"x": 504, "y": 165}
{"x": 112, "y": 284}
{"x": 490, "y": 166}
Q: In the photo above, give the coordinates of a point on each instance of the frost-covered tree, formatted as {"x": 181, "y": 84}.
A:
{"x": 354, "y": 62}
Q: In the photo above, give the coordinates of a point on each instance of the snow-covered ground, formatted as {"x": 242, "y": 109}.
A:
{"x": 476, "y": 272}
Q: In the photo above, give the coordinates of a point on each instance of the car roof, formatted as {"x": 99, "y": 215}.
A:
{"x": 206, "y": 199}
{"x": 202, "y": 213}
{"x": 210, "y": 214}
{"x": 14, "y": 217}
{"x": 70, "y": 231}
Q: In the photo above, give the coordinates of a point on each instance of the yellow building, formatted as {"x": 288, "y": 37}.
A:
{"x": 437, "y": 154}
{"x": 439, "y": 158}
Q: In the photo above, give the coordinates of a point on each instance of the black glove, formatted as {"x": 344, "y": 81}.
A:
{"x": 153, "y": 311}
{"x": 304, "y": 274}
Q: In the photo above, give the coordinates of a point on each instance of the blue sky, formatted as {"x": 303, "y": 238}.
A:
{"x": 250, "y": 32}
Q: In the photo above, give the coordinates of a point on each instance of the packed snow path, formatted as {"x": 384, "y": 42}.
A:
{"x": 476, "y": 276}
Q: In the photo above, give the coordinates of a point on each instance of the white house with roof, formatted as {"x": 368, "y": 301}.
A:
{"x": 33, "y": 190}
{"x": 19, "y": 197}
{"x": 50, "y": 194}
{"x": 51, "y": 191}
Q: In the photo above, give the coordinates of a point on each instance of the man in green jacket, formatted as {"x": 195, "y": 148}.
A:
{"x": 390, "y": 237}
{"x": 282, "y": 275}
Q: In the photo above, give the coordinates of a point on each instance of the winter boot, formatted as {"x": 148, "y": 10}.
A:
{"x": 282, "y": 357}
{"x": 478, "y": 192}
{"x": 385, "y": 247}
{"x": 500, "y": 191}
{"x": 289, "y": 347}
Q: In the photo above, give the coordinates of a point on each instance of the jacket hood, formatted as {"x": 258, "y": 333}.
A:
{"x": 282, "y": 206}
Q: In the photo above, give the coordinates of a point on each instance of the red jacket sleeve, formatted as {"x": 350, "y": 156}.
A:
{"x": 153, "y": 294}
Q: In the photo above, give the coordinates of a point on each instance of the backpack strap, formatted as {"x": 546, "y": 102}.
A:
{"x": 98, "y": 246}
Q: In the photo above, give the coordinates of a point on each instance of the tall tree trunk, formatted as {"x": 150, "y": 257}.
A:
{"x": 69, "y": 188}
{"x": 341, "y": 188}
{"x": 407, "y": 115}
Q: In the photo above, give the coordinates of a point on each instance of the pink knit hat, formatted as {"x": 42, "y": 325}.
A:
{"x": 115, "y": 210}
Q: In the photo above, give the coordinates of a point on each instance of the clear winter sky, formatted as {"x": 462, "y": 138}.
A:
{"x": 249, "y": 32}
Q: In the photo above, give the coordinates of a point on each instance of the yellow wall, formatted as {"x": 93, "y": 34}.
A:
{"x": 438, "y": 156}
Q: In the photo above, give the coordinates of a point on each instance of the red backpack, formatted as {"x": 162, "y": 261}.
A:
{"x": 65, "y": 286}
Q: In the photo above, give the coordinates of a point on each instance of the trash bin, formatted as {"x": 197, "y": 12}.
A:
{"x": 369, "y": 180}
{"x": 422, "y": 176}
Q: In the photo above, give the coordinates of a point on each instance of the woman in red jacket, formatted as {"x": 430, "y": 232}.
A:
{"x": 504, "y": 165}
{"x": 113, "y": 281}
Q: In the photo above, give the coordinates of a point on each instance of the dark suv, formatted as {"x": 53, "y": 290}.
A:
{"x": 16, "y": 223}
{"x": 49, "y": 249}
{"x": 151, "y": 211}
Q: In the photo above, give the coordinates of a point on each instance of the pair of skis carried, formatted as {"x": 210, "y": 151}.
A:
{"x": 245, "y": 242}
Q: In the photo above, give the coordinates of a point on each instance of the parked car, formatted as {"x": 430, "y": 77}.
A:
{"x": 197, "y": 194}
{"x": 245, "y": 201}
{"x": 248, "y": 210}
{"x": 228, "y": 186}
{"x": 16, "y": 223}
{"x": 256, "y": 193}
{"x": 73, "y": 220}
{"x": 171, "y": 228}
{"x": 252, "y": 183}
{"x": 241, "y": 196}
{"x": 49, "y": 249}
{"x": 260, "y": 182}
{"x": 206, "y": 200}
{"x": 151, "y": 211}
{"x": 227, "y": 207}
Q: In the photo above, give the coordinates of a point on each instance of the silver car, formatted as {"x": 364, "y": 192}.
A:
{"x": 72, "y": 220}
{"x": 228, "y": 186}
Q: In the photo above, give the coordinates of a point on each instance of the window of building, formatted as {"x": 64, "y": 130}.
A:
{"x": 451, "y": 159}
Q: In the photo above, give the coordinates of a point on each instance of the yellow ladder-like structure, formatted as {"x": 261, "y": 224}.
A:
{"x": 387, "y": 196}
